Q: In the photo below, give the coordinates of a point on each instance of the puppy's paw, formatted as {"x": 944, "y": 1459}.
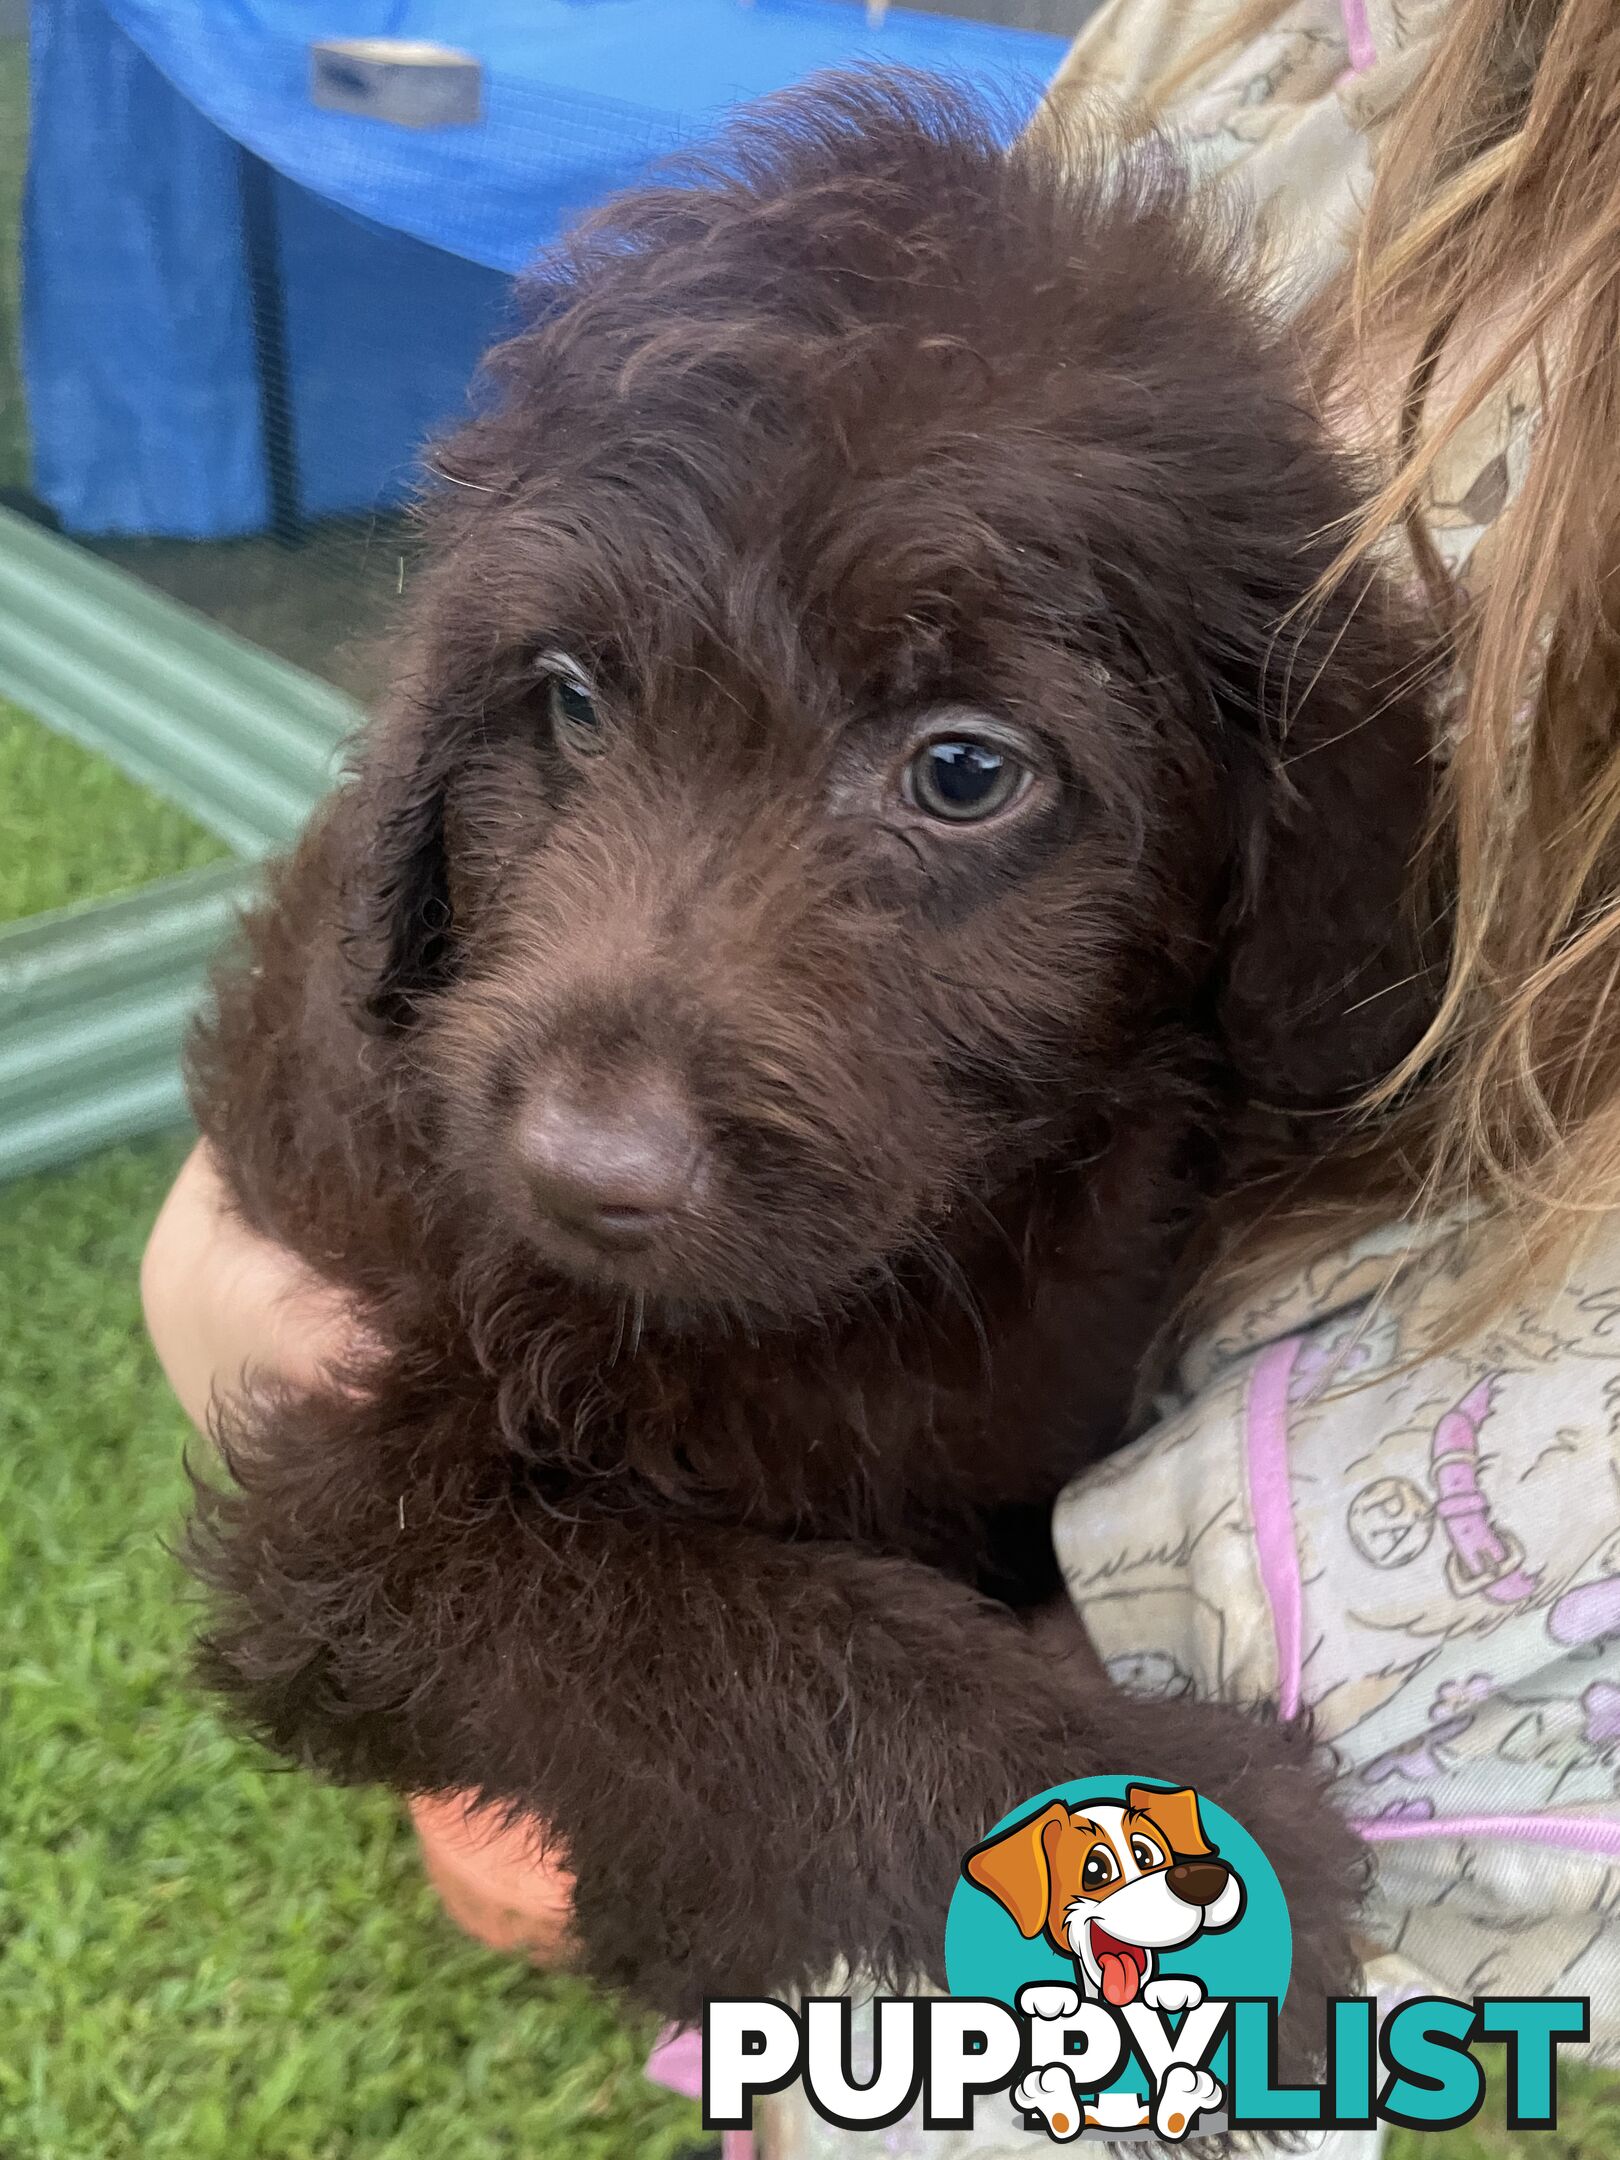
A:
{"x": 1176, "y": 1991}
{"x": 1183, "y": 2096}
{"x": 1048, "y": 1999}
{"x": 1050, "y": 2093}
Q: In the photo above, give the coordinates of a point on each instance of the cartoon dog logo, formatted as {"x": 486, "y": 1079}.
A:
{"x": 1110, "y": 1886}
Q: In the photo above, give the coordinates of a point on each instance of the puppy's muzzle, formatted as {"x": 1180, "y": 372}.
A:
{"x": 616, "y": 1171}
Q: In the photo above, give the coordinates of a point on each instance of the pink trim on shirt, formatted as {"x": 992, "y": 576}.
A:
{"x": 1576, "y": 1833}
{"x": 1358, "y": 35}
{"x": 676, "y": 2063}
{"x": 1266, "y": 1446}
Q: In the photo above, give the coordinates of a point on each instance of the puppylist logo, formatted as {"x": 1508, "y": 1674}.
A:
{"x": 1117, "y": 1952}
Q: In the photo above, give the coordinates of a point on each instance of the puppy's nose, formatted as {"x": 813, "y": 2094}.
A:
{"x": 1197, "y": 1882}
{"x": 614, "y": 1169}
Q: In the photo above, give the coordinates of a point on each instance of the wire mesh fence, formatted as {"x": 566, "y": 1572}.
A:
{"x": 354, "y": 338}
{"x": 14, "y": 468}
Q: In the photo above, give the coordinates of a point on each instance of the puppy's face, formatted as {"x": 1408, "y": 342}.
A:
{"x": 834, "y": 757}
{"x": 784, "y": 941}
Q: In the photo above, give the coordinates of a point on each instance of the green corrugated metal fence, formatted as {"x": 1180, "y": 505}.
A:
{"x": 94, "y": 1000}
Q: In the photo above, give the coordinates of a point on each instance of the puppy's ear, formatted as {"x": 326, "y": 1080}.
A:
{"x": 1176, "y": 1814}
{"x": 400, "y": 899}
{"x": 1329, "y": 950}
{"x": 1015, "y": 1868}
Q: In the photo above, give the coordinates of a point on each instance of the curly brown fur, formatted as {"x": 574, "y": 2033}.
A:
{"x": 702, "y": 1544}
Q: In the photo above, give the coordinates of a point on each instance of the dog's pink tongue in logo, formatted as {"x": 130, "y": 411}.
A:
{"x": 1120, "y": 1966}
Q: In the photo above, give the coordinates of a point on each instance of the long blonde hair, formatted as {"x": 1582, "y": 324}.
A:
{"x": 1496, "y": 207}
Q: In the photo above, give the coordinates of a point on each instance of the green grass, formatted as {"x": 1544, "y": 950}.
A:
{"x": 73, "y": 828}
{"x": 1588, "y": 2124}
{"x": 205, "y": 1958}
{"x": 202, "y": 1957}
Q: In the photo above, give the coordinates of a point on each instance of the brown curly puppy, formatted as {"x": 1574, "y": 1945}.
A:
{"x": 860, "y": 832}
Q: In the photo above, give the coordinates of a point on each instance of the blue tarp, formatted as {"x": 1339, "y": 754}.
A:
{"x": 395, "y": 246}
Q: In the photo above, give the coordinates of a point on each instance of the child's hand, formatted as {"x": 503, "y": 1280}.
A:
{"x": 223, "y": 1304}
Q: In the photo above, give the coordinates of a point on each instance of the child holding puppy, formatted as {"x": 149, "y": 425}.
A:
{"x": 1384, "y": 1488}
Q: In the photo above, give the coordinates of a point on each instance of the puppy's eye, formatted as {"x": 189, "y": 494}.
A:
{"x": 1145, "y": 1854}
{"x": 571, "y": 706}
{"x": 1099, "y": 1868}
{"x": 963, "y": 779}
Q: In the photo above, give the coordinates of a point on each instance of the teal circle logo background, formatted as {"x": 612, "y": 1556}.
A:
{"x": 986, "y": 1955}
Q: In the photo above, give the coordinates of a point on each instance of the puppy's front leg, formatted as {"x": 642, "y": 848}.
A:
{"x": 763, "y": 1759}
